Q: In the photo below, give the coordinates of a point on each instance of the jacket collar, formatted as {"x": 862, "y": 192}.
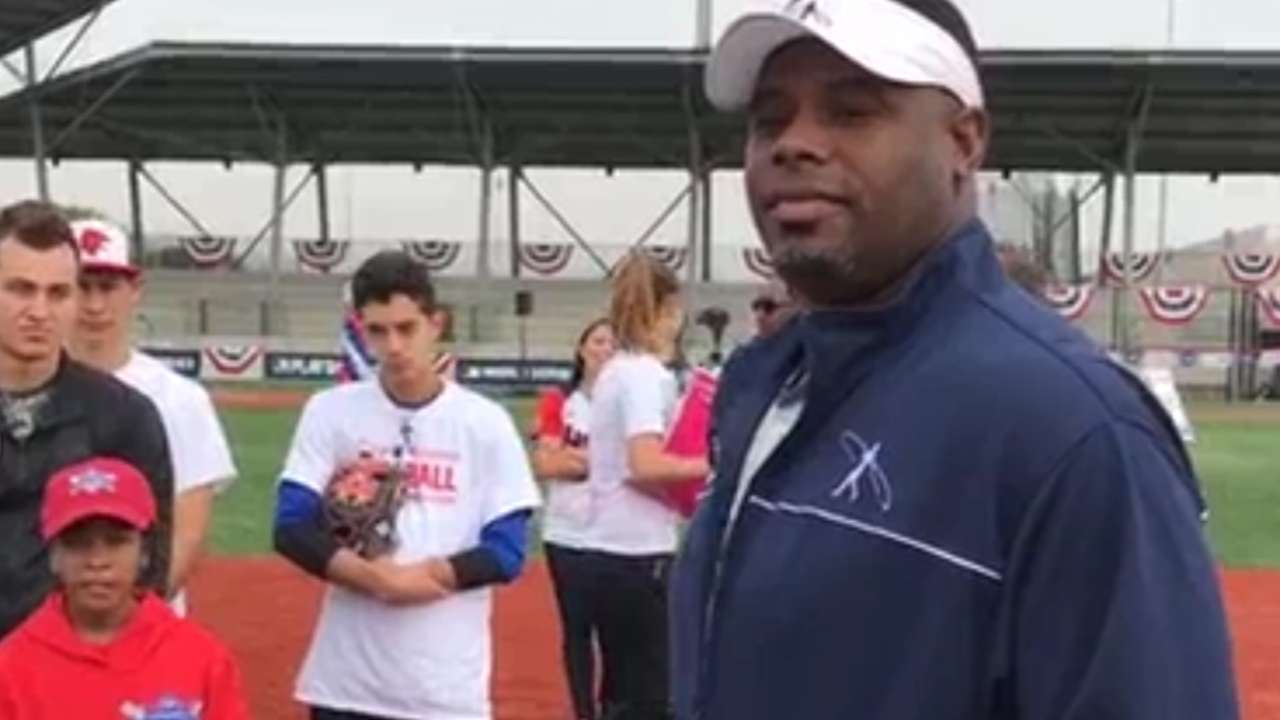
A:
{"x": 837, "y": 349}
{"x": 131, "y": 649}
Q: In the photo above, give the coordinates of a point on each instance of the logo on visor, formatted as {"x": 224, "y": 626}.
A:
{"x": 866, "y": 467}
{"x": 806, "y": 11}
{"x": 93, "y": 482}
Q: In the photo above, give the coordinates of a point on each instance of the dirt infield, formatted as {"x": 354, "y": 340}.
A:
{"x": 251, "y": 399}
{"x": 264, "y": 610}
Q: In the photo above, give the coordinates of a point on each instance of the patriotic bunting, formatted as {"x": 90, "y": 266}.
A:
{"x": 206, "y": 251}
{"x": 1251, "y": 269}
{"x": 758, "y": 262}
{"x": 673, "y": 257}
{"x": 233, "y": 362}
{"x": 1071, "y": 301}
{"x": 321, "y": 255}
{"x": 1175, "y": 305}
{"x": 437, "y": 255}
{"x": 1139, "y": 266}
{"x": 546, "y": 258}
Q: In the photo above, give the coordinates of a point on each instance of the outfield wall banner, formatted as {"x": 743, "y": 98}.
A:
{"x": 183, "y": 362}
{"x": 513, "y": 374}
{"x": 302, "y": 366}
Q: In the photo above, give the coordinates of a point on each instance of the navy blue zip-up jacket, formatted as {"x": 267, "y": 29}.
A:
{"x": 977, "y": 516}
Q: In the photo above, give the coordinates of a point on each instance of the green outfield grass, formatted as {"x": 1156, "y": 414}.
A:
{"x": 1238, "y": 457}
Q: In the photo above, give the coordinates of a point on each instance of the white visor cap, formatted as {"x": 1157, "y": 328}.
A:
{"x": 885, "y": 37}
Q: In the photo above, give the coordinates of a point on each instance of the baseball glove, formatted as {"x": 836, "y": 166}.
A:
{"x": 361, "y": 503}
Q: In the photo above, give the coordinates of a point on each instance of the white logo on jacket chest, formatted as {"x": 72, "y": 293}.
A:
{"x": 865, "y": 468}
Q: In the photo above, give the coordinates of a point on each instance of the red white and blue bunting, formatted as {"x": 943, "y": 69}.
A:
{"x": 1071, "y": 301}
{"x": 437, "y": 255}
{"x": 673, "y": 257}
{"x": 1175, "y": 305}
{"x": 758, "y": 262}
{"x": 1251, "y": 269}
{"x": 1139, "y": 266}
{"x": 233, "y": 362}
{"x": 321, "y": 255}
{"x": 206, "y": 251}
{"x": 1269, "y": 300}
{"x": 546, "y": 258}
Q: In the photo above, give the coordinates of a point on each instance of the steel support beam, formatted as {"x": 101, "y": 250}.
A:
{"x": 565, "y": 225}
{"x": 1132, "y": 147}
{"x": 663, "y": 216}
{"x": 1053, "y": 133}
{"x": 1079, "y": 201}
{"x": 695, "y": 165}
{"x": 485, "y": 219}
{"x": 702, "y": 25}
{"x": 90, "y": 111}
{"x": 135, "y": 211}
{"x": 706, "y": 225}
{"x": 17, "y": 74}
{"x": 267, "y": 227}
{"x": 1104, "y": 247}
{"x": 277, "y": 222}
{"x": 186, "y": 214}
{"x": 37, "y": 125}
{"x": 321, "y": 173}
{"x": 514, "y": 174}
{"x": 74, "y": 42}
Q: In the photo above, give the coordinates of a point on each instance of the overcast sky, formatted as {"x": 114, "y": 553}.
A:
{"x": 394, "y": 202}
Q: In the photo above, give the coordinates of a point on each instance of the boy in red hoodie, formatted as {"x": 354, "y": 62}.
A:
{"x": 100, "y": 648}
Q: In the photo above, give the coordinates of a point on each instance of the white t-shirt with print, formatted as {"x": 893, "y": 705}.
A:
{"x": 467, "y": 467}
{"x": 568, "y": 509}
{"x": 634, "y": 395}
{"x": 198, "y": 448}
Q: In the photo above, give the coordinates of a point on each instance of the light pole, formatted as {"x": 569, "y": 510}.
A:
{"x": 1162, "y": 235}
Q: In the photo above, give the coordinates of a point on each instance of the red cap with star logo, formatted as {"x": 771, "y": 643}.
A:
{"x": 99, "y": 487}
{"x": 103, "y": 247}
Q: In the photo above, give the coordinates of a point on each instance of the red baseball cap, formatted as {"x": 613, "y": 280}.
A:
{"x": 100, "y": 487}
{"x": 103, "y": 247}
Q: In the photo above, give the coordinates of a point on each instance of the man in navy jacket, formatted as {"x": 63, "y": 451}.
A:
{"x": 932, "y": 497}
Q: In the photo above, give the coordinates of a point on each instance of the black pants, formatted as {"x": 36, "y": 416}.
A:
{"x": 631, "y": 617}
{"x": 573, "y": 576}
{"x": 326, "y": 714}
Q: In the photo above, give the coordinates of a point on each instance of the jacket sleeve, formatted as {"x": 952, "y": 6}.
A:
{"x": 224, "y": 698}
{"x": 1114, "y": 607}
{"x": 143, "y": 444}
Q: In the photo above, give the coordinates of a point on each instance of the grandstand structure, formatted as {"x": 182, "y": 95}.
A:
{"x": 506, "y": 110}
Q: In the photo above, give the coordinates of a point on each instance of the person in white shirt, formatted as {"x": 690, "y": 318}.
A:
{"x": 560, "y": 460}
{"x": 406, "y": 635}
{"x": 631, "y": 533}
{"x": 110, "y": 290}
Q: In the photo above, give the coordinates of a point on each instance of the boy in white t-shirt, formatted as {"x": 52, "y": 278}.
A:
{"x": 110, "y": 290}
{"x": 406, "y": 635}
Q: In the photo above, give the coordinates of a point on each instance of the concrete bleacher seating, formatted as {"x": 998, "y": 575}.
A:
{"x": 304, "y": 314}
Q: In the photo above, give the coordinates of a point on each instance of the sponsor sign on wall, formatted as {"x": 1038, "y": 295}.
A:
{"x": 183, "y": 362}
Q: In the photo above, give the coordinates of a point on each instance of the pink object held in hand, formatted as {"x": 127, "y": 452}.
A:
{"x": 688, "y": 438}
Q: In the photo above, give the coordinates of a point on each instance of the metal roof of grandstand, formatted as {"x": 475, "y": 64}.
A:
{"x": 22, "y": 21}
{"x": 1057, "y": 110}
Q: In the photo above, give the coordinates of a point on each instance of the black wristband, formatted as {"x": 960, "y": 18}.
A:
{"x": 476, "y": 568}
{"x": 308, "y": 545}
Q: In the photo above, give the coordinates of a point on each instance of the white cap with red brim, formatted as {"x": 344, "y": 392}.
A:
{"x": 884, "y": 37}
{"x": 104, "y": 247}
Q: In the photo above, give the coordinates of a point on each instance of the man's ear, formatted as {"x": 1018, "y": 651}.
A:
{"x": 970, "y": 136}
